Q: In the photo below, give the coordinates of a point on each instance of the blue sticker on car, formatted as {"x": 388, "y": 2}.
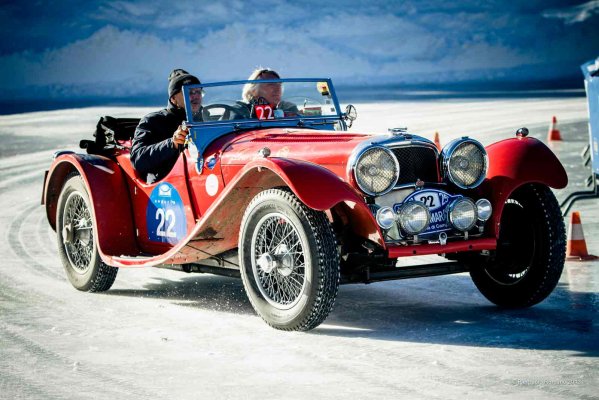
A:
{"x": 165, "y": 215}
{"x": 211, "y": 162}
{"x": 437, "y": 202}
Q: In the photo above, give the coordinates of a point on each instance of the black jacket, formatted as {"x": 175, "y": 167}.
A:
{"x": 153, "y": 152}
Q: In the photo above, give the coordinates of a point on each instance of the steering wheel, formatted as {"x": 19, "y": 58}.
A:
{"x": 225, "y": 116}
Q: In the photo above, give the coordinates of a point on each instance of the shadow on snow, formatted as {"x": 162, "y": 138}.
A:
{"x": 444, "y": 310}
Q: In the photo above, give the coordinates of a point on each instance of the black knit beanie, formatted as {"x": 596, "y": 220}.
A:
{"x": 178, "y": 78}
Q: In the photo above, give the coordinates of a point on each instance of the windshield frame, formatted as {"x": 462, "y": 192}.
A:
{"x": 286, "y": 121}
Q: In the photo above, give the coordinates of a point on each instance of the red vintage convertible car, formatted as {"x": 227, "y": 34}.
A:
{"x": 291, "y": 202}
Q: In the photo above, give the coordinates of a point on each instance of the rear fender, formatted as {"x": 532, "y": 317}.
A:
{"x": 107, "y": 189}
{"x": 516, "y": 162}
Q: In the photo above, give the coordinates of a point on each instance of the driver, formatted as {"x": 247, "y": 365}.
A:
{"x": 270, "y": 93}
{"x": 159, "y": 137}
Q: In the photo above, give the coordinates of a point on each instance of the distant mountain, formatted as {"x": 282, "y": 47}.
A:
{"x": 120, "y": 49}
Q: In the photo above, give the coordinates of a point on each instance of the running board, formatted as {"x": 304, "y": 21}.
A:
{"x": 395, "y": 273}
{"x": 203, "y": 269}
{"x": 363, "y": 276}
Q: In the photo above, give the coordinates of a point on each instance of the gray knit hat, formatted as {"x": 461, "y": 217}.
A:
{"x": 177, "y": 78}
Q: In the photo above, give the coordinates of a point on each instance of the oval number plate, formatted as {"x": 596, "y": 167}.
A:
{"x": 437, "y": 202}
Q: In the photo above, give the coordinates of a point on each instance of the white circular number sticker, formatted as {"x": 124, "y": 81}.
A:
{"x": 211, "y": 185}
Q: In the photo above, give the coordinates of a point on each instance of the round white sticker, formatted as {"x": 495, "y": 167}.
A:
{"x": 211, "y": 185}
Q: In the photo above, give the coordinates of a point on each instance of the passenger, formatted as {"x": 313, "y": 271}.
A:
{"x": 270, "y": 93}
{"x": 159, "y": 137}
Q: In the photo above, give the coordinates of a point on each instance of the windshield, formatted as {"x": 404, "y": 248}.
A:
{"x": 261, "y": 100}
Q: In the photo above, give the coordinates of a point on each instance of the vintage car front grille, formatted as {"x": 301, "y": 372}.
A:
{"x": 416, "y": 162}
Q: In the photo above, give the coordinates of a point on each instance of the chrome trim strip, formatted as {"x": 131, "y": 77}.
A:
{"x": 416, "y": 143}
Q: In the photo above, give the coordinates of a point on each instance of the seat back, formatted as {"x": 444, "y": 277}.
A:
{"x": 110, "y": 133}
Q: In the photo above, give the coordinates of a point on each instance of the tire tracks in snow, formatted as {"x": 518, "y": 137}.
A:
{"x": 70, "y": 379}
{"x": 20, "y": 248}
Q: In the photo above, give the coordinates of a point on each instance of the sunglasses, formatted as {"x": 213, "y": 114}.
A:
{"x": 193, "y": 92}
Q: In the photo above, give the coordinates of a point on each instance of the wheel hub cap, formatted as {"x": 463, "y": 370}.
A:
{"x": 285, "y": 261}
{"x": 278, "y": 260}
{"x": 281, "y": 261}
{"x": 266, "y": 262}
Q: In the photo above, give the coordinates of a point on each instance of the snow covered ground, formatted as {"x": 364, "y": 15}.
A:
{"x": 165, "y": 334}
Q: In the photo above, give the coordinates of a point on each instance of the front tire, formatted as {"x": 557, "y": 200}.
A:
{"x": 289, "y": 261}
{"x": 77, "y": 245}
{"x": 530, "y": 253}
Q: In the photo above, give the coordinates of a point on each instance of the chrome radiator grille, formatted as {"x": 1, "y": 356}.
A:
{"x": 416, "y": 162}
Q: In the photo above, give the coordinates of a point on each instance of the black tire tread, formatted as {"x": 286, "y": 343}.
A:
{"x": 328, "y": 258}
{"x": 104, "y": 278}
{"x": 548, "y": 270}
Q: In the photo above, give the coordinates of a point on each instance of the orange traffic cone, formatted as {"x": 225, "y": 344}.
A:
{"x": 437, "y": 141}
{"x": 553, "y": 133}
{"x": 576, "y": 249}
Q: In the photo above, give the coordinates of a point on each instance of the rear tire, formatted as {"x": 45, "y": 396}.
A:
{"x": 77, "y": 244}
{"x": 289, "y": 261}
{"x": 530, "y": 253}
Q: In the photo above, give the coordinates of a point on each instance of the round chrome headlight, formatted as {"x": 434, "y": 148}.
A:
{"x": 413, "y": 217}
{"x": 463, "y": 214}
{"x": 484, "y": 209}
{"x": 385, "y": 217}
{"x": 376, "y": 171}
{"x": 464, "y": 163}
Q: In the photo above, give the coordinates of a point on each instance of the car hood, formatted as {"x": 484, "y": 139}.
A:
{"x": 326, "y": 148}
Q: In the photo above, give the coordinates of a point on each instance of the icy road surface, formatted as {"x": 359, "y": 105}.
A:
{"x": 163, "y": 334}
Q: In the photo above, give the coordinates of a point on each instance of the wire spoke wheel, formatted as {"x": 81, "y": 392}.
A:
{"x": 289, "y": 261}
{"x": 278, "y": 260}
{"x": 78, "y": 238}
{"x": 77, "y": 244}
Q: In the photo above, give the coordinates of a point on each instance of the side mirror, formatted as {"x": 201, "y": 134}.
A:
{"x": 350, "y": 114}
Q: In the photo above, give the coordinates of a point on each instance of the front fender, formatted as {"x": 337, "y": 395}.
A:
{"x": 321, "y": 189}
{"x": 316, "y": 186}
{"x": 515, "y": 162}
{"x": 110, "y": 203}
{"x": 218, "y": 229}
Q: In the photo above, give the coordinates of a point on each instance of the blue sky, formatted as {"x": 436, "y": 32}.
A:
{"x": 127, "y": 48}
